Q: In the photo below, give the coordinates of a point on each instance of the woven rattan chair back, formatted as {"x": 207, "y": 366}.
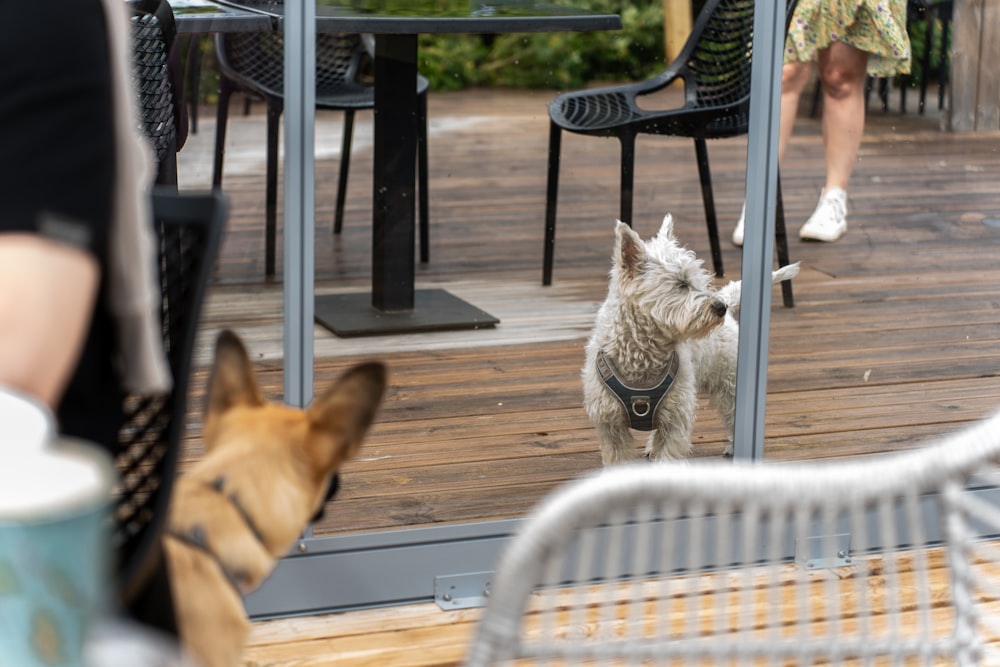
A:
{"x": 189, "y": 229}
{"x": 158, "y": 83}
{"x": 887, "y": 560}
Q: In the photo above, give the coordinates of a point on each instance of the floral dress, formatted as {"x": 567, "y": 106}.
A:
{"x": 875, "y": 26}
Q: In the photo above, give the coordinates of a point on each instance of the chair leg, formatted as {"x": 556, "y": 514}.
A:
{"x": 193, "y": 79}
{"x": 925, "y": 62}
{"x": 345, "y": 167}
{"x": 551, "y": 196}
{"x": 166, "y": 173}
{"x": 221, "y": 120}
{"x": 274, "y": 109}
{"x": 781, "y": 246}
{"x": 627, "y": 178}
{"x": 945, "y": 59}
{"x": 705, "y": 176}
{"x": 422, "y": 201}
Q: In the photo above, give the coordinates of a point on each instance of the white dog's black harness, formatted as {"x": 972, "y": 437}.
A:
{"x": 639, "y": 402}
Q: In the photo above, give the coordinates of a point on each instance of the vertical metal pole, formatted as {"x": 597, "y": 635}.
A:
{"x": 758, "y": 244}
{"x": 299, "y": 231}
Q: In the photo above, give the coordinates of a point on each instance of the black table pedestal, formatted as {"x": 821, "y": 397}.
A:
{"x": 350, "y": 315}
{"x": 394, "y": 305}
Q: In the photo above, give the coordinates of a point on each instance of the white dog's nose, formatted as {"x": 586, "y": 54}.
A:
{"x": 719, "y": 308}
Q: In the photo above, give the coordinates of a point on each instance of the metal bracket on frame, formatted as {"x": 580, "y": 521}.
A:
{"x": 824, "y": 551}
{"x": 462, "y": 591}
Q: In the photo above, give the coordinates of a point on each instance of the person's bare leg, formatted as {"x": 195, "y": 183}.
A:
{"x": 842, "y": 71}
{"x": 794, "y": 77}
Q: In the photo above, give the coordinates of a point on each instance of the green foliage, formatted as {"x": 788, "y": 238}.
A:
{"x": 208, "y": 68}
{"x": 918, "y": 47}
{"x": 559, "y": 60}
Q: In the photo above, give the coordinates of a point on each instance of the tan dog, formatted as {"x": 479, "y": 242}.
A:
{"x": 265, "y": 474}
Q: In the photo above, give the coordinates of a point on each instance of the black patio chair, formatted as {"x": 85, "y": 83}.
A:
{"x": 157, "y": 77}
{"x": 715, "y": 68}
{"x": 253, "y": 63}
{"x": 189, "y": 229}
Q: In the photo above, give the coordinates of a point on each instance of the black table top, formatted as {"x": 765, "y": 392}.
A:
{"x": 445, "y": 16}
{"x": 203, "y": 16}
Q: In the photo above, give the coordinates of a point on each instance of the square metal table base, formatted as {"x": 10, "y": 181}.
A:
{"x": 433, "y": 310}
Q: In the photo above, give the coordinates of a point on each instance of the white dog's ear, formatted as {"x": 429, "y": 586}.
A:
{"x": 666, "y": 227}
{"x": 630, "y": 253}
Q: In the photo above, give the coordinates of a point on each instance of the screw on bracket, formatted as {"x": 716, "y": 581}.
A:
{"x": 461, "y": 591}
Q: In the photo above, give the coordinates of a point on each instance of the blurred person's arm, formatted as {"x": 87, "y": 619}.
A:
{"x": 57, "y": 169}
{"x": 47, "y": 291}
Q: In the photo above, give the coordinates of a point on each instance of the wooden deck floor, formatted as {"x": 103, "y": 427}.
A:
{"x": 895, "y": 336}
{"x": 422, "y": 635}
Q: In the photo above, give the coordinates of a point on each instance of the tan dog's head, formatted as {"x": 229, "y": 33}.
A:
{"x": 268, "y": 462}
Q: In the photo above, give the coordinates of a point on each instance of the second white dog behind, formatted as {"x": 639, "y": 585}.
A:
{"x": 662, "y": 336}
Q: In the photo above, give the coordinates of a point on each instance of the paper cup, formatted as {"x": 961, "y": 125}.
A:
{"x": 55, "y": 552}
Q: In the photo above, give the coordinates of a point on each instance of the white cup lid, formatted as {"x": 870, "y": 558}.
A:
{"x": 25, "y": 423}
{"x": 53, "y": 482}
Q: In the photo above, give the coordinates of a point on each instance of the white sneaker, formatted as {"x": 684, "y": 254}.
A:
{"x": 738, "y": 232}
{"x": 829, "y": 221}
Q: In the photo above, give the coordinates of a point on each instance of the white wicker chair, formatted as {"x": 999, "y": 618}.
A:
{"x": 884, "y": 560}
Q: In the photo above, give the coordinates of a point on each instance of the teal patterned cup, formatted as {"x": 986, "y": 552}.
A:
{"x": 55, "y": 551}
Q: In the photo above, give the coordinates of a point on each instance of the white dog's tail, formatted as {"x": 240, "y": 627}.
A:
{"x": 731, "y": 293}
{"x": 786, "y": 272}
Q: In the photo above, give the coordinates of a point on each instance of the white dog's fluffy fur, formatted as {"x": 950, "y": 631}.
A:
{"x": 660, "y": 303}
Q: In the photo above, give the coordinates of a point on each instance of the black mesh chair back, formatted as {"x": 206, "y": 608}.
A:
{"x": 720, "y": 70}
{"x": 189, "y": 228}
{"x": 256, "y": 59}
{"x": 157, "y": 78}
{"x": 254, "y": 63}
{"x": 714, "y": 66}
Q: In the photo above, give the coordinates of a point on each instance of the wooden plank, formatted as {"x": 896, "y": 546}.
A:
{"x": 424, "y": 635}
{"x": 988, "y": 110}
{"x": 676, "y": 26}
{"x": 966, "y": 65}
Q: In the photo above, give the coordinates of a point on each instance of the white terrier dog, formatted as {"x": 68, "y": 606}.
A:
{"x": 662, "y": 335}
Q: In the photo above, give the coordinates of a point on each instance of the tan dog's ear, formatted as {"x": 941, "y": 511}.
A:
{"x": 339, "y": 419}
{"x": 232, "y": 381}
